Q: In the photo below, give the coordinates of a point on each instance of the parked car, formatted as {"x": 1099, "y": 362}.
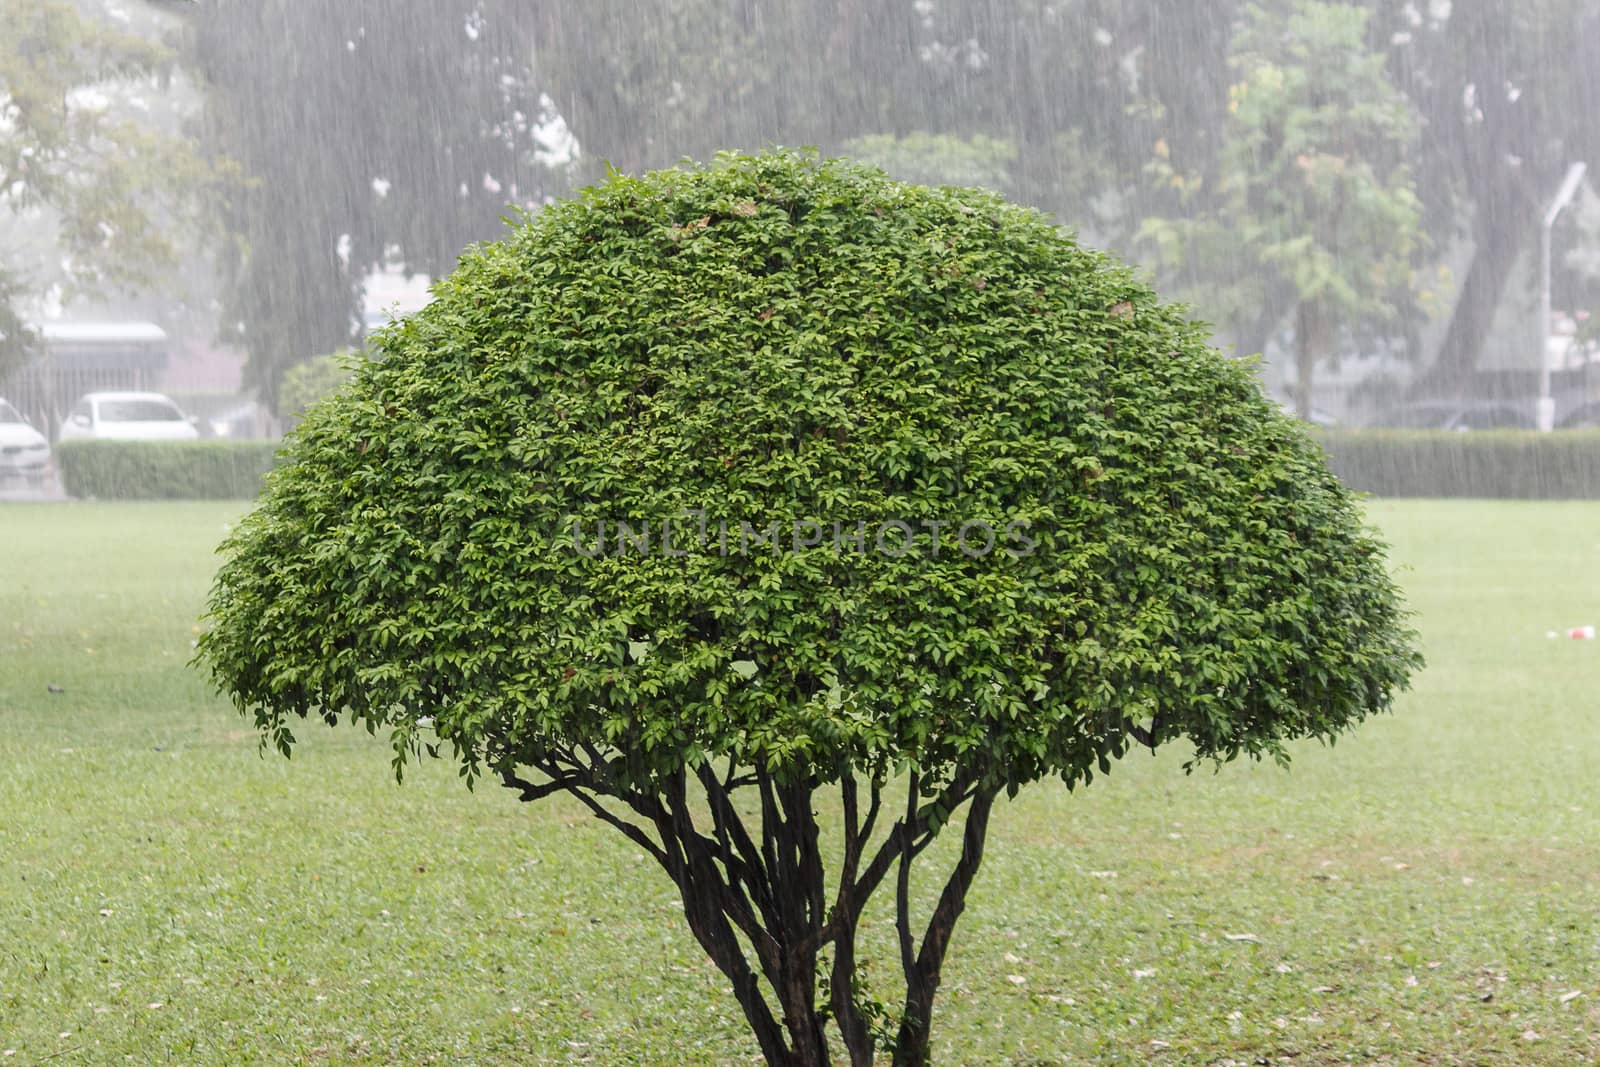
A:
{"x": 24, "y": 451}
{"x": 1585, "y": 417}
{"x": 1459, "y": 415}
{"x": 1318, "y": 417}
{"x": 241, "y": 420}
{"x": 127, "y": 417}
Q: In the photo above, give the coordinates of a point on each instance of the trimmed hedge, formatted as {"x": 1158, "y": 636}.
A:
{"x": 1505, "y": 464}
{"x": 165, "y": 470}
{"x": 1496, "y": 464}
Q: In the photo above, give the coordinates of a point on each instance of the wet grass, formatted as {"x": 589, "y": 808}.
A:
{"x": 1428, "y": 891}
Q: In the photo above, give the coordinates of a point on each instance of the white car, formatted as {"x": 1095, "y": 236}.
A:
{"x": 127, "y": 417}
{"x": 1318, "y": 417}
{"x": 23, "y": 450}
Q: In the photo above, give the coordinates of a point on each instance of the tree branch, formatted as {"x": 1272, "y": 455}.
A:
{"x": 874, "y": 803}
{"x": 1147, "y": 738}
{"x": 922, "y": 980}
{"x": 575, "y": 783}
{"x": 958, "y": 792}
{"x": 796, "y": 797}
{"x": 902, "y": 888}
{"x": 741, "y": 854}
{"x": 530, "y": 791}
{"x": 710, "y": 925}
{"x": 841, "y": 929}
{"x": 711, "y": 884}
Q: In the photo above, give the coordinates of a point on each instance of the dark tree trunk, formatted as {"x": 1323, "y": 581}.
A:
{"x": 705, "y": 893}
{"x": 1310, "y": 344}
{"x": 758, "y": 904}
{"x": 922, "y": 979}
{"x": 1253, "y": 337}
{"x": 799, "y": 866}
{"x": 1501, "y": 232}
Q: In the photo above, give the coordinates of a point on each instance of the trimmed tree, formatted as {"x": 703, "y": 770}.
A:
{"x": 711, "y": 495}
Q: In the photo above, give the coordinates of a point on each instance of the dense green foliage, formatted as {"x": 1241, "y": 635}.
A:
{"x": 1502, "y": 464}
{"x": 993, "y": 513}
{"x": 164, "y": 470}
{"x": 781, "y": 341}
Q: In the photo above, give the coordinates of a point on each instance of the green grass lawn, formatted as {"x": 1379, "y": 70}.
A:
{"x": 1428, "y": 891}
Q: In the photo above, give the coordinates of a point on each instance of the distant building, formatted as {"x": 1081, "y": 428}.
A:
{"x": 84, "y": 357}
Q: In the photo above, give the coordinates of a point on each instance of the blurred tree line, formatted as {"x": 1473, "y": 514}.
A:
{"x": 1302, "y": 162}
{"x": 97, "y": 193}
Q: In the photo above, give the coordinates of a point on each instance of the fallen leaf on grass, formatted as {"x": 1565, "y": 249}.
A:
{"x": 1568, "y": 998}
{"x": 1248, "y": 938}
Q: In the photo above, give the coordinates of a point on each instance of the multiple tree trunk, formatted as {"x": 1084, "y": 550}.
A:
{"x": 757, "y": 897}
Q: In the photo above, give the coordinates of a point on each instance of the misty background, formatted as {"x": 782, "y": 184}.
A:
{"x": 1354, "y": 189}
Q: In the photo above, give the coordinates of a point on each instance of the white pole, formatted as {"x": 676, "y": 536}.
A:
{"x": 1546, "y": 410}
{"x": 1545, "y": 413}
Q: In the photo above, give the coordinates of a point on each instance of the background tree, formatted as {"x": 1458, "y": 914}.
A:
{"x": 321, "y": 99}
{"x": 441, "y": 103}
{"x": 1099, "y": 102}
{"x": 1315, "y": 198}
{"x": 1506, "y": 91}
{"x": 315, "y": 379}
{"x": 1086, "y": 92}
{"x": 803, "y": 355}
{"x": 120, "y": 193}
{"x": 939, "y": 159}
{"x": 374, "y": 133}
{"x": 16, "y": 339}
